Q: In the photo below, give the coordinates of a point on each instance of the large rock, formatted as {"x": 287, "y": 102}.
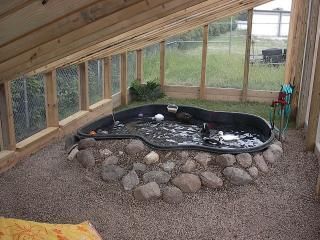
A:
{"x": 86, "y": 143}
{"x": 269, "y": 156}
{"x": 112, "y": 160}
{"x": 211, "y": 180}
{"x": 187, "y": 182}
{"x": 244, "y": 159}
{"x": 225, "y": 160}
{"x": 168, "y": 166}
{"x": 203, "y": 159}
{"x": 276, "y": 150}
{"x": 237, "y": 176}
{"x": 253, "y": 171}
{"x": 139, "y": 167}
{"x": 156, "y": 176}
{"x": 184, "y": 154}
{"x": 112, "y": 173}
{"x": 189, "y": 166}
{"x": 134, "y": 147}
{"x": 105, "y": 152}
{"x": 151, "y": 158}
{"x": 148, "y": 191}
{"x": 130, "y": 180}
{"x": 86, "y": 158}
{"x": 172, "y": 195}
{"x": 73, "y": 153}
{"x": 260, "y": 163}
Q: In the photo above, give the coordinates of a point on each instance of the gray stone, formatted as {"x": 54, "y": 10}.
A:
{"x": 277, "y": 151}
{"x": 139, "y": 167}
{"x": 151, "y": 158}
{"x": 187, "y": 182}
{"x": 156, "y": 176}
{"x": 86, "y": 143}
{"x": 189, "y": 166}
{"x": 134, "y": 147}
{"x": 277, "y": 142}
{"x": 269, "y": 156}
{"x": 261, "y": 164}
{"x": 72, "y": 155}
{"x": 120, "y": 153}
{"x": 253, "y": 171}
{"x": 105, "y": 152}
{"x": 168, "y": 155}
{"x": 203, "y": 159}
{"x": 211, "y": 180}
{"x": 184, "y": 154}
{"x": 237, "y": 176}
{"x": 112, "y": 173}
{"x": 168, "y": 166}
{"x": 172, "y": 195}
{"x": 225, "y": 160}
{"x": 130, "y": 180}
{"x": 244, "y": 159}
{"x": 110, "y": 160}
{"x": 86, "y": 158}
{"x": 148, "y": 191}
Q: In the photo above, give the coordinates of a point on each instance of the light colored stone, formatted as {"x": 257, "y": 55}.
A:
{"x": 253, "y": 171}
{"x": 134, "y": 147}
{"x": 156, "y": 176}
{"x": 168, "y": 166}
{"x": 184, "y": 154}
{"x": 86, "y": 158}
{"x": 110, "y": 160}
{"x": 105, "y": 152}
{"x": 72, "y": 155}
{"x": 203, "y": 159}
{"x": 120, "y": 153}
{"x": 112, "y": 173}
{"x": 261, "y": 164}
{"x": 211, "y": 180}
{"x": 148, "y": 191}
{"x": 277, "y": 142}
{"x": 277, "y": 151}
{"x": 189, "y": 166}
{"x": 225, "y": 160}
{"x": 167, "y": 155}
{"x": 237, "y": 176}
{"x": 172, "y": 195}
{"x": 244, "y": 159}
{"x": 269, "y": 156}
{"x": 86, "y": 143}
{"x": 130, "y": 180}
{"x": 187, "y": 182}
{"x": 139, "y": 167}
{"x": 151, "y": 158}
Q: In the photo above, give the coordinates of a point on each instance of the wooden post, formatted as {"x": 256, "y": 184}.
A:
{"x": 124, "y": 79}
{"x": 308, "y": 60}
{"x": 139, "y": 65}
{"x": 84, "y": 86}
{"x": 204, "y": 63}
{"x": 247, "y": 57}
{"x": 1, "y": 136}
{"x": 296, "y": 46}
{"x": 6, "y": 117}
{"x": 162, "y": 63}
{"x": 107, "y": 77}
{"x": 51, "y": 99}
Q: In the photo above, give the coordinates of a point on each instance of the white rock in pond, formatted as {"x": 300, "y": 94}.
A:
{"x": 261, "y": 164}
{"x": 111, "y": 173}
{"x": 225, "y": 160}
{"x": 244, "y": 159}
{"x": 203, "y": 159}
{"x": 139, "y": 167}
{"x": 151, "y": 158}
{"x": 130, "y": 180}
{"x": 211, "y": 180}
{"x": 156, "y": 176}
{"x": 189, "y": 166}
{"x": 86, "y": 158}
{"x": 253, "y": 171}
{"x": 187, "y": 182}
{"x": 110, "y": 160}
{"x": 72, "y": 155}
{"x": 237, "y": 176}
{"x": 168, "y": 166}
{"x": 172, "y": 195}
{"x": 148, "y": 191}
{"x": 134, "y": 147}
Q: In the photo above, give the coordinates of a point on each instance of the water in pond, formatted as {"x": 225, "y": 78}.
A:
{"x": 173, "y": 133}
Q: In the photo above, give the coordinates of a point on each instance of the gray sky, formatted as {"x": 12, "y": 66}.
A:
{"x": 285, "y": 4}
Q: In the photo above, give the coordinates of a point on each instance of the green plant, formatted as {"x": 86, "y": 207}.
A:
{"x": 146, "y": 92}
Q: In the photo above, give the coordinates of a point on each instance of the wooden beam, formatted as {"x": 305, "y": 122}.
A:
{"x": 1, "y": 136}
{"x": 84, "y": 86}
{"x": 52, "y": 114}
{"x": 204, "y": 63}
{"x": 124, "y": 79}
{"x": 247, "y": 57}
{"x": 307, "y": 65}
{"x": 162, "y": 63}
{"x": 139, "y": 66}
{"x": 107, "y": 78}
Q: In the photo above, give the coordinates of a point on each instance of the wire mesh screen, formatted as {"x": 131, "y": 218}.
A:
{"x": 183, "y": 58}
{"x": 226, "y": 53}
{"x": 95, "y": 81}
{"x": 28, "y": 100}
{"x": 151, "y": 63}
{"x": 131, "y": 67}
{"x": 116, "y": 74}
{"x": 68, "y": 91}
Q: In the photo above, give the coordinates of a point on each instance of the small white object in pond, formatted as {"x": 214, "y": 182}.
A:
{"x": 159, "y": 117}
{"x": 140, "y": 115}
{"x": 228, "y": 137}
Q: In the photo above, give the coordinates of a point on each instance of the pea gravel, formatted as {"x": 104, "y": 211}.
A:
{"x": 47, "y": 187}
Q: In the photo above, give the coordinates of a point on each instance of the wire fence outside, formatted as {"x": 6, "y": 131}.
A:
{"x": 151, "y": 63}
{"x": 95, "y": 77}
{"x": 116, "y": 74}
{"x": 132, "y": 63}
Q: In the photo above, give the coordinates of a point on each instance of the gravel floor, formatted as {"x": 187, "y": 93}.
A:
{"x": 46, "y": 187}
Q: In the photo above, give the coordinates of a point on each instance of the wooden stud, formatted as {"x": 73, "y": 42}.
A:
{"x": 204, "y": 63}
{"x": 51, "y": 99}
{"x": 247, "y": 57}
{"x": 124, "y": 79}
{"x": 162, "y": 63}
{"x": 84, "y": 86}
{"x": 107, "y": 77}
{"x": 139, "y": 65}
{"x": 1, "y": 136}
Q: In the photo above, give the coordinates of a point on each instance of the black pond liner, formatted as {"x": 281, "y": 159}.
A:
{"x": 233, "y": 120}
